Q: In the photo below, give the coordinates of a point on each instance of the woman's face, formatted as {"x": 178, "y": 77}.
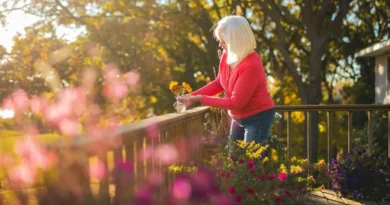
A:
{"x": 222, "y": 44}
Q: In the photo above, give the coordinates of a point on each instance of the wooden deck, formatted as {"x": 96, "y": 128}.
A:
{"x": 329, "y": 197}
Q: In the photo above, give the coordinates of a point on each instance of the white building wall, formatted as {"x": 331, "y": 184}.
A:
{"x": 382, "y": 93}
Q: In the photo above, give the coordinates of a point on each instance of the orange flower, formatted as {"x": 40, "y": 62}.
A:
{"x": 187, "y": 87}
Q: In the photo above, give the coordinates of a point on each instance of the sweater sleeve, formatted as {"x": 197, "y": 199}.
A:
{"x": 242, "y": 91}
{"x": 210, "y": 89}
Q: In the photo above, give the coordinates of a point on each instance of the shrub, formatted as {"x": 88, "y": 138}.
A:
{"x": 260, "y": 174}
{"x": 361, "y": 175}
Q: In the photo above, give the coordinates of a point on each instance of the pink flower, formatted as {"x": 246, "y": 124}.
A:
{"x": 287, "y": 193}
{"x": 232, "y": 157}
{"x": 232, "y": 190}
{"x": 278, "y": 199}
{"x": 23, "y": 174}
{"x": 238, "y": 199}
{"x": 262, "y": 177}
{"x": 222, "y": 173}
{"x": 167, "y": 153}
{"x": 182, "y": 188}
{"x": 132, "y": 77}
{"x": 97, "y": 170}
{"x": 251, "y": 163}
{"x": 228, "y": 175}
{"x": 240, "y": 161}
{"x": 272, "y": 177}
{"x": 115, "y": 90}
{"x": 250, "y": 191}
{"x": 69, "y": 127}
{"x": 282, "y": 176}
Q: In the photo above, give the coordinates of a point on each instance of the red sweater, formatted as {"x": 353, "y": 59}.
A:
{"x": 245, "y": 87}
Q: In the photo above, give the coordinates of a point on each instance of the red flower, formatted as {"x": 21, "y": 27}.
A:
{"x": 262, "y": 177}
{"x": 278, "y": 199}
{"x": 250, "y": 191}
{"x": 272, "y": 177}
{"x": 240, "y": 161}
{"x": 228, "y": 175}
{"x": 251, "y": 163}
{"x": 287, "y": 193}
{"x": 232, "y": 157}
{"x": 282, "y": 176}
{"x": 238, "y": 198}
{"x": 222, "y": 173}
{"x": 232, "y": 190}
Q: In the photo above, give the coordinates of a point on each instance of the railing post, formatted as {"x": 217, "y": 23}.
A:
{"x": 388, "y": 134}
{"x": 349, "y": 131}
{"x": 309, "y": 129}
{"x": 370, "y": 133}
{"x": 330, "y": 122}
{"x": 289, "y": 135}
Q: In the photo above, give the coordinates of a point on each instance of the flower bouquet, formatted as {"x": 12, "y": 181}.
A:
{"x": 178, "y": 90}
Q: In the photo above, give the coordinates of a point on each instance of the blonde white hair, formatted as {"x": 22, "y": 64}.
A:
{"x": 238, "y": 35}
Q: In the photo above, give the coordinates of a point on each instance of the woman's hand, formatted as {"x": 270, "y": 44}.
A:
{"x": 189, "y": 99}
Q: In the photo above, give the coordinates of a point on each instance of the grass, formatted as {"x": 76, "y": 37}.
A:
{"x": 9, "y": 137}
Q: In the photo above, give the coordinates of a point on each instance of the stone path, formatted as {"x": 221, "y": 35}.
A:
{"x": 329, "y": 197}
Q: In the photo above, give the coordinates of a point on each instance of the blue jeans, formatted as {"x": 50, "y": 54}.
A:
{"x": 253, "y": 128}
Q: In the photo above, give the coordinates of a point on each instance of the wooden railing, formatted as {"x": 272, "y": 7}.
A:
{"x": 172, "y": 127}
{"x": 331, "y": 109}
{"x": 134, "y": 138}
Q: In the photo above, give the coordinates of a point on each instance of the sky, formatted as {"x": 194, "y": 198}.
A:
{"x": 16, "y": 21}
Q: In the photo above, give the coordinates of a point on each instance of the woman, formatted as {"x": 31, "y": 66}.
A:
{"x": 241, "y": 75}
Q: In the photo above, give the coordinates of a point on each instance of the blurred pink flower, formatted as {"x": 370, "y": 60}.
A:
{"x": 115, "y": 90}
{"x": 97, "y": 169}
{"x": 146, "y": 153}
{"x": 228, "y": 175}
{"x": 17, "y": 102}
{"x": 20, "y": 100}
{"x": 111, "y": 72}
{"x": 278, "y": 200}
{"x": 240, "y": 161}
{"x": 282, "y": 176}
{"x": 287, "y": 193}
{"x": 262, "y": 177}
{"x": 167, "y": 154}
{"x": 22, "y": 174}
{"x": 238, "y": 199}
{"x": 37, "y": 104}
{"x": 153, "y": 130}
{"x": 155, "y": 178}
{"x": 181, "y": 188}
{"x": 272, "y": 177}
{"x": 251, "y": 163}
{"x": 250, "y": 191}
{"x": 232, "y": 190}
{"x": 69, "y": 127}
{"x": 132, "y": 78}
{"x": 33, "y": 154}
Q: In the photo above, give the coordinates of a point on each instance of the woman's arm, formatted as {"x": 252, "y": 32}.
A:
{"x": 210, "y": 89}
{"x": 241, "y": 94}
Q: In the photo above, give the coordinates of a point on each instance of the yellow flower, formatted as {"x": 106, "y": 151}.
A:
{"x": 172, "y": 85}
{"x": 321, "y": 162}
{"x": 187, "y": 87}
{"x": 296, "y": 169}
{"x": 265, "y": 160}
